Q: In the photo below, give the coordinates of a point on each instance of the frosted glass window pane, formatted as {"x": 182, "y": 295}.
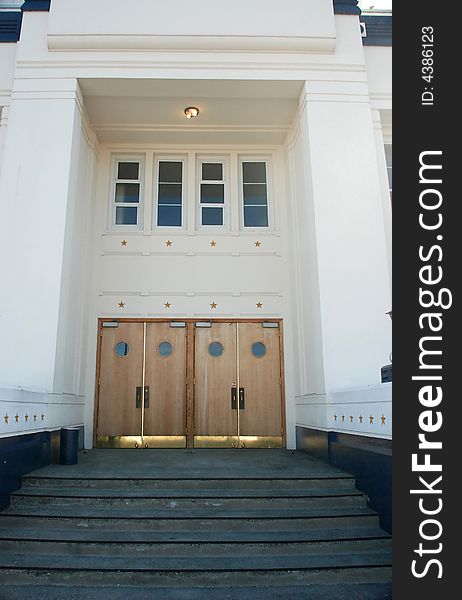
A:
{"x": 169, "y": 216}
{"x": 212, "y": 216}
{"x": 126, "y": 215}
{"x": 255, "y": 216}
{"x": 212, "y": 193}
{"x": 170, "y": 172}
{"x": 254, "y": 193}
{"x": 254, "y": 172}
{"x": 212, "y": 171}
{"x": 169, "y": 193}
{"x": 128, "y": 170}
{"x": 127, "y": 192}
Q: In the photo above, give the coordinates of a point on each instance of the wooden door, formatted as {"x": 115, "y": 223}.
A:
{"x": 215, "y": 413}
{"x": 165, "y": 376}
{"x": 260, "y": 420}
{"x": 121, "y": 372}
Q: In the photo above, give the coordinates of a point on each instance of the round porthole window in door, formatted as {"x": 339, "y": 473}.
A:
{"x": 122, "y": 349}
{"x": 165, "y": 348}
{"x": 258, "y": 349}
{"x": 216, "y": 349}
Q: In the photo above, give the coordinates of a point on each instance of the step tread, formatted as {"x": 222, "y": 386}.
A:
{"x": 371, "y": 590}
{"x": 193, "y": 551}
{"x": 249, "y": 535}
{"x": 197, "y": 563}
{"x": 172, "y": 493}
{"x": 175, "y": 513}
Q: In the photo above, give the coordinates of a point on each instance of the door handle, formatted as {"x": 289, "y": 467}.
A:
{"x": 241, "y": 398}
{"x": 138, "y": 397}
{"x": 146, "y": 396}
{"x": 233, "y": 398}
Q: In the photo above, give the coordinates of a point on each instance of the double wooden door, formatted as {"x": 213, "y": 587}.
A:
{"x": 207, "y": 384}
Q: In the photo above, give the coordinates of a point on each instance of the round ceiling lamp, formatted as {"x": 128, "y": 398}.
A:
{"x": 191, "y": 112}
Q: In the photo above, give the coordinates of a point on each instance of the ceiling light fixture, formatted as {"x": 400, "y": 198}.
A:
{"x": 191, "y": 112}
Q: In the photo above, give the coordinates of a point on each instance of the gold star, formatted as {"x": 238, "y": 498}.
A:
{"x": 361, "y": 419}
{"x": 351, "y": 418}
{"x": 6, "y": 417}
{"x": 167, "y": 305}
{"x": 123, "y": 243}
{"x": 213, "y": 305}
{"x": 16, "y": 418}
{"x": 371, "y": 420}
{"x": 257, "y": 244}
{"x": 335, "y": 417}
{"x": 259, "y": 305}
{"x": 213, "y": 243}
{"x": 121, "y": 304}
{"x": 26, "y": 418}
{"x": 168, "y": 243}
{"x": 343, "y": 418}
{"x": 383, "y": 419}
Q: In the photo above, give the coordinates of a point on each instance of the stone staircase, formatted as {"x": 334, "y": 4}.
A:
{"x": 303, "y": 531}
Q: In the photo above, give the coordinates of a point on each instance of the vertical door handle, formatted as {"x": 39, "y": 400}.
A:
{"x": 138, "y": 397}
{"x": 146, "y": 396}
{"x": 233, "y": 398}
{"x": 241, "y": 398}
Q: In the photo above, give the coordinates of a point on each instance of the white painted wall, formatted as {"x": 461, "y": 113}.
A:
{"x": 258, "y": 25}
{"x": 323, "y": 268}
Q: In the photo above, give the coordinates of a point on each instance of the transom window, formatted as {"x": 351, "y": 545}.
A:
{"x": 126, "y": 199}
{"x": 170, "y": 193}
{"x": 255, "y": 193}
{"x": 212, "y": 193}
{"x": 223, "y": 192}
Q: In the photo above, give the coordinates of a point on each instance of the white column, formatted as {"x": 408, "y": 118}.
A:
{"x": 345, "y": 199}
{"x": 40, "y": 149}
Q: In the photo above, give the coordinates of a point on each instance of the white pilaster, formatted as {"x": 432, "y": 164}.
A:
{"x": 345, "y": 196}
{"x": 44, "y": 119}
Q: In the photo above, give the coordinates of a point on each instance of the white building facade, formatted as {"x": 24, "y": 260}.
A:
{"x": 140, "y": 248}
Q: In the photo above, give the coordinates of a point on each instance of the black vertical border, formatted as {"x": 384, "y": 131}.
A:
{"x": 420, "y": 128}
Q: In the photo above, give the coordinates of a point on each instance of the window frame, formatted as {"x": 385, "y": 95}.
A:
{"x": 116, "y": 159}
{"x": 184, "y": 181}
{"x": 223, "y": 160}
{"x": 269, "y": 197}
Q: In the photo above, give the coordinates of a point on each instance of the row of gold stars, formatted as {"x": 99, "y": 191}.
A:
{"x": 361, "y": 418}
{"x": 169, "y": 243}
{"x": 213, "y": 305}
{"x": 6, "y": 418}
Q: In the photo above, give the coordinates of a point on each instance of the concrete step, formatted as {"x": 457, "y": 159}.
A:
{"x": 195, "y": 557}
{"x": 190, "y": 530}
{"x": 120, "y": 498}
{"x": 193, "y": 551}
{"x": 313, "y": 481}
{"x": 371, "y": 583}
{"x": 195, "y": 486}
{"x": 172, "y": 511}
{"x": 64, "y": 499}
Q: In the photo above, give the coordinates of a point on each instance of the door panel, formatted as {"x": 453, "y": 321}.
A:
{"x": 260, "y": 376}
{"x": 120, "y": 375}
{"x": 166, "y": 378}
{"x": 215, "y": 376}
